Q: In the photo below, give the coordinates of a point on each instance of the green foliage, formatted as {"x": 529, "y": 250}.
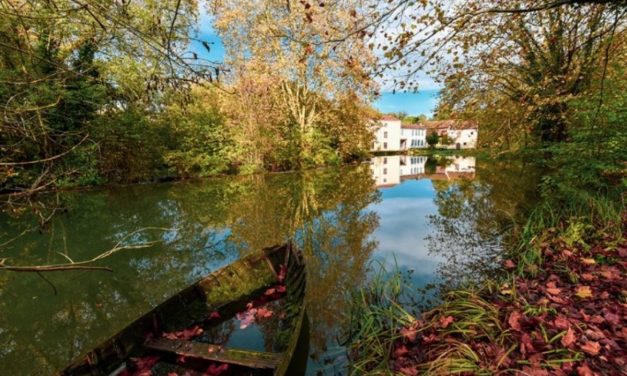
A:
{"x": 432, "y": 139}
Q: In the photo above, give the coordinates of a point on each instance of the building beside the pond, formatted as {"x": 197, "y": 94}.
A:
{"x": 391, "y": 135}
{"x": 454, "y": 134}
{"x": 387, "y": 134}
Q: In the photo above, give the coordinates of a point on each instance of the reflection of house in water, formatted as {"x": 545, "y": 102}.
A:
{"x": 391, "y": 170}
{"x": 386, "y": 170}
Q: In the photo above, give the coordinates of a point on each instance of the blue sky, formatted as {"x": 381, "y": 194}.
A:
{"x": 423, "y": 102}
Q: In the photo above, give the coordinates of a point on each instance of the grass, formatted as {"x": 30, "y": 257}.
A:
{"x": 568, "y": 213}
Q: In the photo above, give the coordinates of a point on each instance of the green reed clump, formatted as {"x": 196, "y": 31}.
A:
{"x": 376, "y": 318}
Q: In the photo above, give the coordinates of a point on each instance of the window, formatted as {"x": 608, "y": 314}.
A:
{"x": 385, "y": 180}
{"x": 464, "y": 144}
{"x": 385, "y": 145}
{"x": 385, "y": 134}
{"x": 385, "y": 161}
{"x": 471, "y": 133}
{"x": 385, "y": 171}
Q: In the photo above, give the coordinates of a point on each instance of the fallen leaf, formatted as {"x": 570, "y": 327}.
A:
{"x": 587, "y": 277}
{"x": 409, "y": 333}
{"x": 583, "y": 292}
{"x": 584, "y": 370}
{"x": 408, "y": 371}
{"x": 514, "y": 320}
{"x": 588, "y": 261}
{"x": 400, "y": 351}
{"x": 509, "y": 264}
{"x": 569, "y": 338}
{"x": 264, "y": 312}
{"x": 446, "y": 321}
{"x": 561, "y": 322}
{"x": 591, "y": 348}
{"x": 554, "y": 291}
{"x": 215, "y": 370}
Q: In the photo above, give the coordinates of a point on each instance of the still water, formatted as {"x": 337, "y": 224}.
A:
{"x": 440, "y": 219}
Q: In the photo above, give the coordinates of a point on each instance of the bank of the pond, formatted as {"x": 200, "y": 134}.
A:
{"x": 564, "y": 314}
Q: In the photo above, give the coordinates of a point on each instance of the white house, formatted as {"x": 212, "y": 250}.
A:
{"x": 387, "y": 134}
{"x": 461, "y": 134}
{"x": 413, "y": 136}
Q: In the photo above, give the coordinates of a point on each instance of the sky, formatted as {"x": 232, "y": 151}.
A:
{"x": 423, "y": 102}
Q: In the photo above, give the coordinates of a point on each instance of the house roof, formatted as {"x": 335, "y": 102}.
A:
{"x": 451, "y": 124}
{"x": 389, "y": 118}
{"x": 413, "y": 126}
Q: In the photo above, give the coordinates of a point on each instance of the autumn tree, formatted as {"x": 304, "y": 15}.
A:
{"x": 72, "y": 72}
{"x": 536, "y": 55}
{"x": 304, "y": 50}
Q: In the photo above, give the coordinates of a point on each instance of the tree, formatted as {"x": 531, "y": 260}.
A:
{"x": 304, "y": 51}
{"x": 432, "y": 139}
{"x": 539, "y": 55}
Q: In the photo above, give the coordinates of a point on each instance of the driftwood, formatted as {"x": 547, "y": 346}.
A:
{"x": 85, "y": 264}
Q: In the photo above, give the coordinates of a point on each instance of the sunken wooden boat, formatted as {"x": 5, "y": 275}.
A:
{"x": 201, "y": 330}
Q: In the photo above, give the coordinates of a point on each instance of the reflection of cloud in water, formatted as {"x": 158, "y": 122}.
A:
{"x": 402, "y": 232}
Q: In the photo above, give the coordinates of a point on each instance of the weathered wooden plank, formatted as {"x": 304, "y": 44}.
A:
{"x": 199, "y": 350}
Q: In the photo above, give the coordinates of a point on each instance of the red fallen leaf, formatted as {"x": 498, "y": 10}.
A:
{"x": 611, "y": 317}
{"x": 514, "y": 320}
{"x": 281, "y": 289}
{"x": 143, "y": 365}
{"x": 400, "y": 351}
{"x": 270, "y": 291}
{"x": 215, "y": 370}
{"x": 264, "y": 312}
{"x": 181, "y": 359}
{"x": 535, "y": 371}
{"x": 407, "y": 371}
{"x": 567, "y": 253}
{"x": 569, "y": 338}
{"x": 430, "y": 338}
{"x": 185, "y": 334}
{"x": 587, "y": 277}
{"x": 173, "y": 374}
{"x": 525, "y": 344}
{"x": 214, "y": 315}
{"x": 554, "y": 291}
{"x": 561, "y": 322}
{"x": 551, "y": 285}
{"x": 594, "y": 334}
{"x": 591, "y": 348}
{"x": 446, "y": 321}
{"x": 282, "y": 273}
{"x": 584, "y": 370}
{"x": 509, "y": 264}
{"x": 557, "y": 299}
{"x": 409, "y": 333}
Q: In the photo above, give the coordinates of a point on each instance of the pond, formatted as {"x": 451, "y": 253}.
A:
{"x": 441, "y": 219}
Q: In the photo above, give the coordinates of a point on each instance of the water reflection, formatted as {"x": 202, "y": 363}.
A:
{"x": 391, "y": 170}
{"x": 213, "y": 222}
{"x": 441, "y": 217}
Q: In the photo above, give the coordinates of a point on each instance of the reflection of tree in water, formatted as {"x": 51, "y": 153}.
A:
{"x": 213, "y": 222}
{"x": 324, "y": 209}
{"x": 478, "y": 219}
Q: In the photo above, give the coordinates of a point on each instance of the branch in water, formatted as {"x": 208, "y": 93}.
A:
{"x": 86, "y": 264}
